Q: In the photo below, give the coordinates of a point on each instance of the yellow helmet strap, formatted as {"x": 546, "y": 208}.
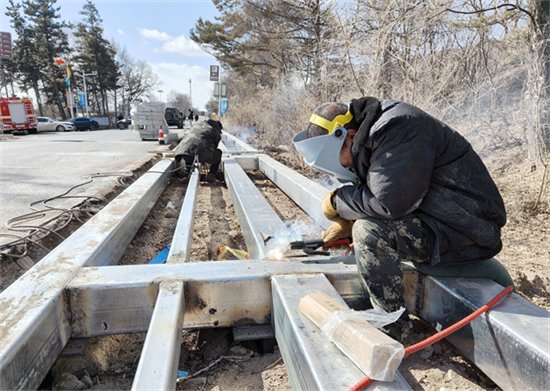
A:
{"x": 338, "y": 121}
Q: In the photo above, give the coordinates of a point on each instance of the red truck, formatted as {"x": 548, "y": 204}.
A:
{"x": 17, "y": 114}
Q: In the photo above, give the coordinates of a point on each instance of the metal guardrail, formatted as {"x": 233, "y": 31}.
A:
{"x": 313, "y": 362}
{"x": 36, "y": 323}
{"x": 71, "y": 293}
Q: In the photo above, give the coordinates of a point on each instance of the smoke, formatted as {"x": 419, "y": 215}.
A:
{"x": 328, "y": 182}
{"x": 278, "y": 244}
{"x": 243, "y": 133}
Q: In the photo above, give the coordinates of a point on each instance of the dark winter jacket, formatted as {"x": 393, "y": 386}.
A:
{"x": 203, "y": 139}
{"x": 409, "y": 162}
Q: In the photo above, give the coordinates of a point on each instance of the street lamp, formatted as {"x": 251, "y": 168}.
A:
{"x": 160, "y": 92}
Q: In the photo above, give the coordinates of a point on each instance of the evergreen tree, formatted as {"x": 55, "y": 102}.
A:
{"x": 25, "y": 68}
{"x": 95, "y": 54}
{"x": 50, "y": 42}
{"x": 270, "y": 38}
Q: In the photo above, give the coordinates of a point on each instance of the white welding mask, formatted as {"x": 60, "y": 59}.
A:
{"x": 323, "y": 152}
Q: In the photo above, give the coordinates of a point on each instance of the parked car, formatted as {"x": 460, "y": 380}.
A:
{"x": 46, "y": 124}
{"x": 174, "y": 117}
{"x": 83, "y": 123}
{"x": 124, "y": 123}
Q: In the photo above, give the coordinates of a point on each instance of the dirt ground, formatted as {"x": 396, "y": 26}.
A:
{"x": 214, "y": 361}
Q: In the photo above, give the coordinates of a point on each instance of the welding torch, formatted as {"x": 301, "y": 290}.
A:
{"x": 310, "y": 246}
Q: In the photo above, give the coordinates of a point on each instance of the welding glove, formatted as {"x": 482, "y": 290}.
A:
{"x": 329, "y": 210}
{"x": 338, "y": 230}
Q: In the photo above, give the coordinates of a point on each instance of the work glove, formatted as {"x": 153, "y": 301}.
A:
{"x": 338, "y": 230}
{"x": 329, "y": 210}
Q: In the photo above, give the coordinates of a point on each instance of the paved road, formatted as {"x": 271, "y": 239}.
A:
{"x": 35, "y": 167}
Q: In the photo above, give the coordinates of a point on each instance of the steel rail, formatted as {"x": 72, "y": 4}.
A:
{"x": 35, "y": 323}
{"x": 121, "y": 299}
{"x": 181, "y": 242}
{"x": 158, "y": 364}
{"x": 257, "y": 219}
{"x": 510, "y": 344}
{"x": 313, "y": 362}
{"x": 305, "y": 192}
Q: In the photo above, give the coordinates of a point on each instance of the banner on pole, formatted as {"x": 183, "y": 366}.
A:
{"x": 70, "y": 99}
{"x": 223, "y": 106}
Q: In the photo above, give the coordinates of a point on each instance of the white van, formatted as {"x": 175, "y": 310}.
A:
{"x": 147, "y": 118}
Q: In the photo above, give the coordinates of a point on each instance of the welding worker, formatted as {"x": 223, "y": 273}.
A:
{"x": 419, "y": 194}
{"x": 201, "y": 140}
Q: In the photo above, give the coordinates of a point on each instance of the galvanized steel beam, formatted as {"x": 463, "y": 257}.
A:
{"x": 306, "y": 193}
{"x": 312, "y": 361}
{"x": 247, "y": 162}
{"x": 510, "y": 344}
{"x": 181, "y": 242}
{"x": 34, "y": 327}
{"x": 232, "y": 142}
{"x": 120, "y": 299}
{"x": 256, "y": 217}
{"x": 158, "y": 365}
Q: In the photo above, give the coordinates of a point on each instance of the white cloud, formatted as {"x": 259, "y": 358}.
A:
{"x": 154, "y": 35}
{"x": 176, "y": 45}
{"x": 175, "y": 76}
{"x": 120, "y": 32}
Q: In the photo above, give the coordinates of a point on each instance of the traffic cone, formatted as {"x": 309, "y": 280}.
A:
{"x": 161, "y": 136}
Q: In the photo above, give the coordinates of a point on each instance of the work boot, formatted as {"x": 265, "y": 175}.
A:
{"x": 401, "y": 331}
{"x": 210, "y": 177}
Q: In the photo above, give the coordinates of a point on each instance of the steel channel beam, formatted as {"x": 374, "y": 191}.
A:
{"x": 510, "y": 344}
{"x": 312, "y": 361}
{"x": 158, "y": 365}
{"x": 183, "y": 235}
{"x": 231, "y": 141}
{"x": 256, "y": 217}
{"x": 249, "y": 162}
{"x": 34, "y": 327}
{"x": 120, "y": 299}
{"x": 306, "y": 193}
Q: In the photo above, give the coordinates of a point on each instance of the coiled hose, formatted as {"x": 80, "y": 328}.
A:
{"x": 362, "y": 384}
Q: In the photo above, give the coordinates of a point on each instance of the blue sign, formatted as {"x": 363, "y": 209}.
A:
{"x": 81, "y": 99}
{"x": 223, "y": 107}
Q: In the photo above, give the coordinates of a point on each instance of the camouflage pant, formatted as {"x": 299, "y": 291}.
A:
{"x": 380, "y": 246}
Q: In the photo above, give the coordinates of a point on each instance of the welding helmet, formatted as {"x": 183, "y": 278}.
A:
{"x": 323, "y": 152}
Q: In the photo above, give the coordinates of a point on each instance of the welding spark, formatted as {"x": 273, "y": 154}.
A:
{"x": 275, "y": 254}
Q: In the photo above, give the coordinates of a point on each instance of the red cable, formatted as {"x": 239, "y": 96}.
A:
{"x": 362, "y": 384}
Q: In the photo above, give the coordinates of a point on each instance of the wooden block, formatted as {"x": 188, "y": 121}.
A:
{"x": 374, "y": 352}
{"x": 317, "y": 306}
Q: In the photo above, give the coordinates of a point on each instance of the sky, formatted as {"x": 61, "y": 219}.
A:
{"x": 154, "y": 31}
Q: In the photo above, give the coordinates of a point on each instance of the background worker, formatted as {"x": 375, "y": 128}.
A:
{"x": 201, "y": 140}
{"x": 420, "y": 194}
{"x": 191, "y": 116}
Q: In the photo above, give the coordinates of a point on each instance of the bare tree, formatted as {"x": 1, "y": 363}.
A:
{"x": 179, "y": 100}
{"x": 137, "y": 78}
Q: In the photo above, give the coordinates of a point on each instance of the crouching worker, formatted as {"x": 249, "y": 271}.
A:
{"x": 201, "y": 140}
{"x": 420, "y": 194}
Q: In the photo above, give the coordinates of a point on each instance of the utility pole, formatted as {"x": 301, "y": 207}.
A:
{"x": 190, "y": 95}
{"x": 84, "y": 74}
